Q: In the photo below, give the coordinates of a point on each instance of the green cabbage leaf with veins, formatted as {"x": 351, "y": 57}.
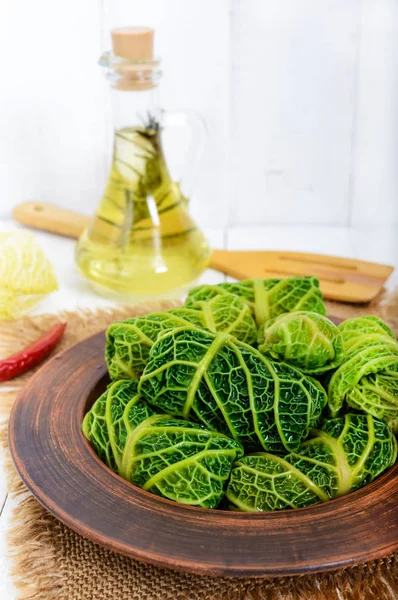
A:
{"x": 229, "y": 387}
{"x": 345, "y": 454}
{"x": 179, "y": 460}
{"x": 304, "y": 339}
{"x": 367, "y": 380}
{"x": 268, "y": 298}
{"x": 361, "y": 331}
{"x": 166, "y": 456}
{"x": 129, "y": 342}
{"x": 191, "y": 394}
{"x": 116, "y": 412}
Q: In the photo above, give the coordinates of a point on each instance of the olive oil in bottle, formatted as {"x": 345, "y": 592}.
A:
{"x": 142, "y": 241}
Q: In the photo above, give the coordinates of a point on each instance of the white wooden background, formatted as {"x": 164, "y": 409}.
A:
{"x": 301, "y": 98}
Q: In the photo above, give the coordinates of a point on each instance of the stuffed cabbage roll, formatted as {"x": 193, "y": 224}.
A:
{"x": 304, "y": 339}
{"x": 345, "y": 454}
{"x": 230, "y": 387}
{"x": 129, "y": 342}
{"x": 268, "y": 298}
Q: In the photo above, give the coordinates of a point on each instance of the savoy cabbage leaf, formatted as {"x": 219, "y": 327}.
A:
{"x": 116, "y": 412}
{"x": 345, "y": 454}
{"x": 304, "y": 339}
{"x": 179, "y": 460}
{"x": 268, "y": 298}
{"x": 361, "y": 331}
{"x": 367, "y": 380}
{"x": 230, "y": 387}
{"x": 129, "y": 342}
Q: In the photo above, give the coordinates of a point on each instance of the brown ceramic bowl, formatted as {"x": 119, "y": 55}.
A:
{"x": 59, "y": 467}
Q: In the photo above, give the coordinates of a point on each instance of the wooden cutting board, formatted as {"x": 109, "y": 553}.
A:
{"x": 342, "y": 279}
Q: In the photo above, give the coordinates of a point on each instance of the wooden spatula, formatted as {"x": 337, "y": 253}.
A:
{"x": 343, "y": 279}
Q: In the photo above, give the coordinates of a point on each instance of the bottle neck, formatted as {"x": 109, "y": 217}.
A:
{"x": 133, "y": 108}
{"x": 134, "y": 90}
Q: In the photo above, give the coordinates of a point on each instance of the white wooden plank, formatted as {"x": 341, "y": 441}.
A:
{"x": 3, "y": 484}
{"x": 192, "y": 39}
{"x": 294, "y": 84}
{"x": 322, "y": 240}
{"x": 375, "y": 183}
{"x": 52, "y": 117}
{"x": 377, "y": 243}
{"x": 7, "y": 589}
{"x": 293, "y": 80}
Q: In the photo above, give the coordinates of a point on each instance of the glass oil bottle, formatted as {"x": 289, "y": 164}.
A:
{"x": 142, "y": 241}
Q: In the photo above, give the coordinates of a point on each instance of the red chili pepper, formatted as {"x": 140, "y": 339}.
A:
{"x": 26, "y": 359}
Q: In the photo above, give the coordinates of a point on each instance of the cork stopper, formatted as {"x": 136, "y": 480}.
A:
{"x": 134, "y": 43}
{"x": 137, "y": 68}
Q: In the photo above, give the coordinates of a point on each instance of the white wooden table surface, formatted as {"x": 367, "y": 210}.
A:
{"x": 368, "y": 243}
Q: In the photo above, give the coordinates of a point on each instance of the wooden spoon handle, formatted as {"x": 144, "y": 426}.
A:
{"x": 50, "y": 218}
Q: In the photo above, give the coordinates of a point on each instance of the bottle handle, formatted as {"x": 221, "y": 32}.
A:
{"x": 199, "y": 133}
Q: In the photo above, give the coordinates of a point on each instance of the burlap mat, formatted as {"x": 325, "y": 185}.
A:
{"x": 51, "y": 561}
